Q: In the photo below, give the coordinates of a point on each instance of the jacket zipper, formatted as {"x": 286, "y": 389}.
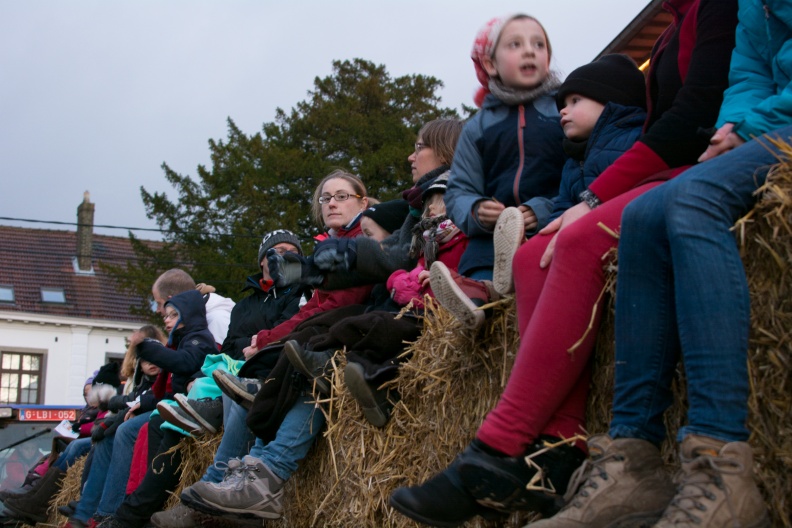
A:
{"x": 521, "y": 146}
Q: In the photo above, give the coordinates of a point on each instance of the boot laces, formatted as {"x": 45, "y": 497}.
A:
{"x": 586, "y": 479}
{"x": 233, "y": 471}
{"x": 697, "y": 486}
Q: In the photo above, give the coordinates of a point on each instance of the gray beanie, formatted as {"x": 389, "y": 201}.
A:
{"x": 274, "y": 238}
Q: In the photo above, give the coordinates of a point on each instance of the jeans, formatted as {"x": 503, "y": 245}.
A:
{"x": 106, "y": 484}
{"x": 682, "y": 290}
{"x": 236, "y": 442}
{"x": 73, "y": 451}
{"x": 294, "y": 438}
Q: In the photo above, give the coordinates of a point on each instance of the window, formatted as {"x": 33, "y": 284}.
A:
{"x": 53, "y": 295}
{"x": 6, "y": 293}
{"x": 20, "y": 377}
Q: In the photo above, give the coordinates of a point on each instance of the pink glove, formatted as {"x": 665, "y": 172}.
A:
{"x": 405, "y": 287}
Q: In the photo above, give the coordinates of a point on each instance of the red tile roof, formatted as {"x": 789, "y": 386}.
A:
{"x": 32, "y": 258}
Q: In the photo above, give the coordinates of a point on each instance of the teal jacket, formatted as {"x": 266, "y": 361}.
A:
{"x": 759, "y": 97}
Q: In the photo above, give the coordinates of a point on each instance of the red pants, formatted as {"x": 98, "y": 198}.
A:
{"x": 547, "y": 389}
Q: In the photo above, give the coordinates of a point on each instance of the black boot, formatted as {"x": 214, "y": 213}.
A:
{"x": 33, "y": 507}
{"x": 315, "y": 366}
{"x": 440, "y": 501}
{"x": 501, "y": 482}
{"x": 374, "y": 402}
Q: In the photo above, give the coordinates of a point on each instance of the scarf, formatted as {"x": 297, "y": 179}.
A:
{"x": 512, "y": 96}
{"x": 429, "y": 234}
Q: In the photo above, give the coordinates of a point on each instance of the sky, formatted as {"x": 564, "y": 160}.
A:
{"x": 96, "y": 95}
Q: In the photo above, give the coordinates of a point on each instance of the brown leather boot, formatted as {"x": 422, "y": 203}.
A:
{"x": 623, "y": 484}
{"x": 715, "y": 487}
{"x": 32, "y": 508}
{"x": 462, "y": 296}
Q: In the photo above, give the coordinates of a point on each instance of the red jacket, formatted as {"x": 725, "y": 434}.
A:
{"x": 687, "y": 77}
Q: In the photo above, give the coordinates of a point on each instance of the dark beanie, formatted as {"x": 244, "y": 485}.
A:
{"x": 612, "y": 78}
{"x": 108, "y": 374}
{"x": 438, "y": 185}
{"x": 389, "y": 215}
{"x": 273, "y": 238}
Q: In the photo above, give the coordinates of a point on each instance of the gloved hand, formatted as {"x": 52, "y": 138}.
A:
{"x": 291, "y": 268}
{"x": 113, "y": 422}
{"x": 76, "y": 427}
{"x": 406, "y": 287}
{"x": 336, "y": 253}
{"x": 98, "y": 431}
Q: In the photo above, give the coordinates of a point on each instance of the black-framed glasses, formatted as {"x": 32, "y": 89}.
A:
{"x": 340, "y": 196}
{"x": 420, "y": 146}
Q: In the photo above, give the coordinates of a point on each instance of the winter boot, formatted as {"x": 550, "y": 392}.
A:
{"x": 180, "y": 516}
{"x": 206, "y": 412}
{"x": 315, "y": 366}
{"x": 534, "y": 482}
{"x": 460, "y": 295}
{"x": 374, "y": 402}
{"x": 508, "y": 237}
{"x": 622, "y": 484}
{"x": 441, "y": 501}
{"x": 33, "y": 507}
{"x": 240, "y": 390}
{"x": 715, "y": 487}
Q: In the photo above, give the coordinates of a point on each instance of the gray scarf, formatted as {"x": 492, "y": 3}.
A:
{"x": 512, "y": 96}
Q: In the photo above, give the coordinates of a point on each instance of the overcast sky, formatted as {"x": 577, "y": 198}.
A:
{"x": 96, "y": 95}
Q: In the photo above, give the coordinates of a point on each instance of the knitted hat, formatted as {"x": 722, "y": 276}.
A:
{"x": 612, "y": 78}
{"x": 109, "y": 374}
{"x": 273, "y": 238}
{"x": 389, "y": 215}
{"x": 438, "y": 185}
{"x": 484, "y": 46}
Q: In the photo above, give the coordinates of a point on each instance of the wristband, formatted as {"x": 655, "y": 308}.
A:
{"x": 590, "y": 198}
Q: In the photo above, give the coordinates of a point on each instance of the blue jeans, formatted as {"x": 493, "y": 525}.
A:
{"x": 682, "y": 291}
{"x": 294, "y": 438}
{"x": 73, "y": 451}
{"x": 236, "y": 441}
{"x": 105, "y": 487}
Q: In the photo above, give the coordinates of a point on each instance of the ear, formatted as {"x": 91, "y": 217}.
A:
{"x": 489, "y": 66}
{"x": 364, "y": 201}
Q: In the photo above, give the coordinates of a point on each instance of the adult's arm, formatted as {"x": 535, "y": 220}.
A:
{"x": 674, "y": 139}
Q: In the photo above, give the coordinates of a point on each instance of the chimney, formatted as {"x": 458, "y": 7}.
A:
{"x": 85, "y": 220}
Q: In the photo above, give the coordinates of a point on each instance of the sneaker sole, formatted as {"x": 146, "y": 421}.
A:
{"x": 184, "y": 403}
{"x": 200, "y": 504}
{"x": 507, "y": 238}
{"x": 361, "y": 391}
{"x": 453, "y": 298}
{"x": 232, "y": 390}
{"x": 170, "y": 415}
{"x": 295, "y": 358}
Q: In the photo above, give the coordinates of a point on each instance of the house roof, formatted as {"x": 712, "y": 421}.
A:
{"x": 34, "y": 258}
{"x": 637, "y": 39}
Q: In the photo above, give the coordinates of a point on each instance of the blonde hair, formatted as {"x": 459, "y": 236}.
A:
{"x": 128, "y": 366}
{"x": 357, "y": 186}
{"x": 441, "y": 135}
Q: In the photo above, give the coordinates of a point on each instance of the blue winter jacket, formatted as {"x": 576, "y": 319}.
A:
{"x": 617, "y": 128}
{"x": 511, "y": 153}
{"x": 759, "y": 97}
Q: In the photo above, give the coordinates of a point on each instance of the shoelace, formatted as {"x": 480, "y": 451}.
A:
{"x": 586, "y": 477}
{"x": 695, "y": 484}
{"x": 233, "y": 470}
{"x": 248, "y": 472}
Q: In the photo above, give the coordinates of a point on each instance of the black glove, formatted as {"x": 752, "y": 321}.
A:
{"x": 112, "y": 423}
{"x": 76, "y": 427}
{"x": 98, "y": 431}
{"x": 336, "y": 254}
{"x": 291, "y": 268}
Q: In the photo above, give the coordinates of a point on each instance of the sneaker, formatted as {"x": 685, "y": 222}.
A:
{"x": 373, "y": 401}
{"x": 180, "y": 516}
{"x": 440, "y": 501}
{"x": 315, "y": 366}
{"x": 534, "y": 482}
{"x": 240, "y": 390}
{"x": 460, "y": 295}
{"x": 69, "y": 509}
{"x": 508, "y": 236}
{"x": 622, "y": 484}
{"x": 208, "y": 412}
{"x": 715, "y": 487}
{"x": 252, "y": 490}
{"x": 176, "y": 416}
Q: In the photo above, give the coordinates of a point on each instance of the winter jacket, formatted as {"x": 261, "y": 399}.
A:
{"x": 321, "y": 300}
{"x": 687, "y": 77}
{"x": 511, "y": 153}
{"x": 616, "y": 130}
{"x": 759, "y": 98}
{"x": 261, "y": 310}
{"x": 218, "y": 316}
{"x": 192, "y": 343}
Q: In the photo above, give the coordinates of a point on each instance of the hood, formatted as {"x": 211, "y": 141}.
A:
{"x": 218, "y": 302}
{"x": 192, "y": 311}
